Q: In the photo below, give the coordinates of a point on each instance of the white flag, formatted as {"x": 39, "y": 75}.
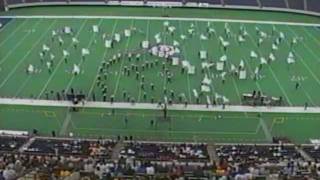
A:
{"x": 253, "y": 54}
{"x": 117, "y": 37}
{"x": 65, "y": 53}
{"x": 95, "y": 28}
{"x": 45, "y": 48}
{"x": 85, "y": 51}
{"x": 223, "y": 58}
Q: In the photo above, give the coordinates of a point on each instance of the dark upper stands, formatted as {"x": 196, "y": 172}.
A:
{"x": 1, "y": 5}
{"x": 14, "y": 1}
{"x": 314, "y": 5}
{"x": 87, "y": 1}
{"x": 296, "y": 4}
{"x": 241, "y": 2}
{"x": 273, "y": 3}
{"x": 34, "y": 1}
{"x": 205, "y": 1}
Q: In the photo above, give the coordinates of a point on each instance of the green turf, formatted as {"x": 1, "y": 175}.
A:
{"x": 279, "y": 78}
{"x": 22, "y": 39}
{"x": 189, "y": 126}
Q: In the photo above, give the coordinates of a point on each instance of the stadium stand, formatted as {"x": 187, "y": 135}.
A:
{"x": 87, "y": 1}
{"x": 273, "y": 154}
{"x": 72, "y": 147}
{"x": 213, "y": 2}
{"x": 34, "y": 1}
{"x": 296, "y": 4}
{"x": 43, "y": 157}
{"x": 301, "y": 6}
{"x": 14, "y": 2}
{"x": 273, "y": 3}
{"x": 313, "y": 5}
{"x": 313, "y": 152}
{"x": 11, "y": 143}
{"x": 166, "y": 152}
{"x": 241, "y": 3}
{"x": 2, "y": 5}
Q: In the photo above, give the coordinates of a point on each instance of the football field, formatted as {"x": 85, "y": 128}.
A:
{"x": 22, "y": 40}
{"x": 275, "y": 58}
{"x": 149, "y": 124}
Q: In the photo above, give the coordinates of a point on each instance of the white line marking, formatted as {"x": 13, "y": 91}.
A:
{"x": 149, "y": 106}
{"x": 265, "y": 130}
{"x": 105, "y": 53}
{"x": 122, "y": 62}
{"x": 58, "y": 65}
{"x": 81, "y": 60}
{"x": 12, "y": 33}
{"x": 17, "y": 44}
{"x": 185, "y": 55}
{"x": 273, "y": 74}
{"x": 147, "y": 38}
{"x": 6, "y": 25}
{"x": 311, "y": 35}
{"x": 66, "y": 123}
{"x": 25, "y": 56}
{"x": 300, "y": 57}
{"x": 22, "y": 86}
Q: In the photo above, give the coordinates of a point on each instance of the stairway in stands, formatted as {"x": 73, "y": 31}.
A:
{"x": 212, "y": 152}
{"x": 116, "y": 150}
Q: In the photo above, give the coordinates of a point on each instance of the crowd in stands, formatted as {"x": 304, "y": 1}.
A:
{"x": 53, "y": 158}
{"x": 283, "y": 161}
{"x": 74, "y": 147}
{"x": 313, "y": 152}
{"x": 165, "y": 152}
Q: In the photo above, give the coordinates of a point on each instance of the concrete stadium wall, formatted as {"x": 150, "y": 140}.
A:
{"x": 138, "y": 3}
{"x": 2, "y": 5}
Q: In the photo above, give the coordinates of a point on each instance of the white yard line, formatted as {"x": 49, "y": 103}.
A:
{"x": 81, "y": 60}
{"x": 185, "y": 55}
{"x": 12, "y": 33}
{"x": 311, "y": 35}
{"x": 164, "y": 74}
{"x": 58, "y": 65}
{"x": 265, "y": 129}
{"x": 65, "y": 125}
{"x": 233, "y": 81}
{"x": 122, "y": 62}
{"x": 309, "y": 97}
{"x": 149, "y": 106}
{"x": 273, "y": 74}
{"x": 26, "y": 55}
{"x": 105, "y": 53}
{"x": 6, "y": 25}
{"x": 12, "y": 50}
{"x": 317, "y": 57}
{"x": 164, "y": 18}
{"x": 22, "y": 86}
{"x": 301, "y": 59}
{"x": 147, "y": 39}
{"x": 252, "y": 71}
